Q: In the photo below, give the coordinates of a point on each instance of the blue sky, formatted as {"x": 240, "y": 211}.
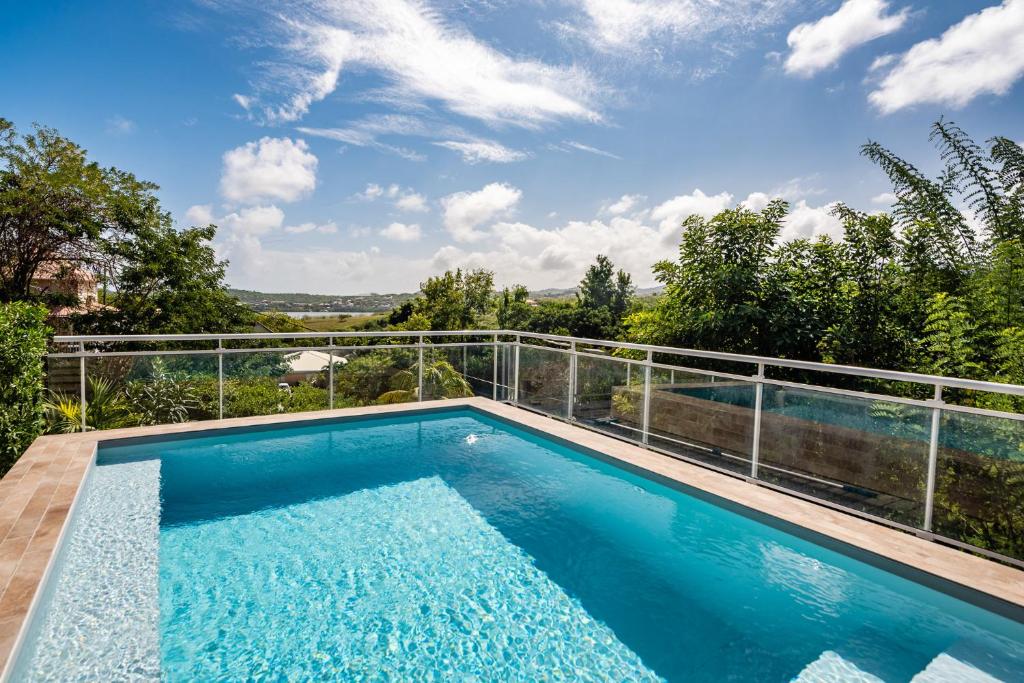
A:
{"x": 362, "y": 145}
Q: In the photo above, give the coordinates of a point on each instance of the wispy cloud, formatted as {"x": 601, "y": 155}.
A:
{"x": 119, "y": 125}
{"x": 423, "y": 58}
{"x": 476, "y": 151}
{"x": 570, "y": 145}
{"x": 644, "y": 28}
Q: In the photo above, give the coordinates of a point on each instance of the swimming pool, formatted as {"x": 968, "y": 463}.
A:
{"x": 452, "y": 545}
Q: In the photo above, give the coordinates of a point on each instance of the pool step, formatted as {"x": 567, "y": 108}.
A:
{"x": 948, "y": 669}
{"x": 830, "y": 667}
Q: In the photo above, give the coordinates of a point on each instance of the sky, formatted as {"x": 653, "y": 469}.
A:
{"x": 356, "y": 146}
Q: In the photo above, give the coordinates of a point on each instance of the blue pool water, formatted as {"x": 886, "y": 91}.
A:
{"x": 451, "y": 546}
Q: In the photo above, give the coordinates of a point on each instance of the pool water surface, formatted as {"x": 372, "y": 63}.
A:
{"x": 453, "y": 546}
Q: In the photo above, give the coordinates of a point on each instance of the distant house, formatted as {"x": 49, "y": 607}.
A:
{"x": 70, "y": 283}
{"x": 304, "y": 365}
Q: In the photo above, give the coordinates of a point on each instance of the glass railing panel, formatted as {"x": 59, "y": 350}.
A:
{"x": 609, "y": 396}
{"x": 272, "y": 382}
{"x": 505, "y": 360}
{"x": 979, "y": 493}
{"x": 63, "y": 394}
{"x": 544, "y": 380}
{"x": 863, "y": 453}
{"x": 703, "y": 417}
{"x": 445, "y": 372}
{"x": 376, "y": 376}
{"x": 132, "y": 391}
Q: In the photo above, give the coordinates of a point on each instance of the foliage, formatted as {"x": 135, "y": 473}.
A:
{"x": 162, "y": 399}
{"x": 23, "y": 335}
{"x": 106, "y": 408}
{"x": 514, "y": 310}
{"x": 440, "y": 380}
{"x": 602, "y": 287}
{"x": 455, "y": 301}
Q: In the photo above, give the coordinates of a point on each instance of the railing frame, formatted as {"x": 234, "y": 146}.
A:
{"x": 421, "y": 340}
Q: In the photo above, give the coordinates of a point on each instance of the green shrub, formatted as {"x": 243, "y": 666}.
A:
{"x": 23, "y": 334}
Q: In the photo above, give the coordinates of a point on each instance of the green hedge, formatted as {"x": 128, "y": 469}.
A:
{"x": 23, "y": 335}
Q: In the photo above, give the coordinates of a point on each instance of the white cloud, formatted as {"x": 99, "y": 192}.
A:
{"x": 401, "y": 232}
{"x": 464, "y": 212}
{"x": 253, "y": 220}
{"x": 242, "y": 101}
{"x": 671, "y": 213}
{"x": 372, "y": 191}
{"x": 625, "y": 204}
{"x": 414, "y": 202}
{"x": 329, "y": 271}
{"x": 421, "y": 57}
{"x": 272, "y": 168}
{"x": 200, "y": 214}
{"x": 756, "y": 201}
{"x": 810, "y": 222}
{"x": 983, "y": 54}
{"x": 119, "y": 125}
{"x": 404, "y": 200}
{"x": 818, "y": 45}
{"x": 473, "y": 152}
{"x": 328, "y": 228}
{"x": 885, "y": 199}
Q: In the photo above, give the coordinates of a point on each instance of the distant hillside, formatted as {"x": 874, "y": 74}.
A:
{"x": 347, "y": 303}
{"x": 336, "y": 303}
{"x": 571, "y": 292}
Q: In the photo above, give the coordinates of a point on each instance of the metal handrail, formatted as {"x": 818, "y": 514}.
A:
{"x": 854, "y": 370}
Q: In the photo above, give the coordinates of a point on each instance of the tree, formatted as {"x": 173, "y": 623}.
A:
{"x": 54, "y": 205}
{"x": 602, "y": 287}
{"x": 714, "y": 292}
{"x": 60, "y": 210}
{"x": 167, "y": 280}
{"x": 455, "y": 301}
{"x": 514, "y": 311}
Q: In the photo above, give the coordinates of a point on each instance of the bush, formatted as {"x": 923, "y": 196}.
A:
{"x": 23, "y": 334}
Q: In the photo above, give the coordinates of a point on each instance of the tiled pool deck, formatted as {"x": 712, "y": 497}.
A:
{"x": 38, "y": 492}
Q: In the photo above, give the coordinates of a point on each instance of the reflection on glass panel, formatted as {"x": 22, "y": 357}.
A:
{"x": 609, "y": 396}
{"x": 376, "y": 376}
{"x": 544, "y": 380}
{"x": 862, "y": 453}
{"x": 979, "y": 496}
{"x": 702, "y": 417}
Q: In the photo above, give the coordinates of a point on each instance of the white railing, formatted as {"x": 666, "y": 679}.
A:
{"x": 664, "y": 405}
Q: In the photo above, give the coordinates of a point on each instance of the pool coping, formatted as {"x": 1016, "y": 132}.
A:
{"x": 39, "y": 492}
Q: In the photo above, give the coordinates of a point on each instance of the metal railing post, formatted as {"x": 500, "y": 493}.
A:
{"x": 220, "y": 379}
{"x": 573, "y": 360}
{"x": 330, "y": 374}
{"x": 515, "y": 373}
{"x": 81, "y": 381}
{"x": 646, "y": 426}
{"x": 419, "y": 390}
{"x": 933, "y": 459}
{"x": 755, "y": 447}
{"x": 494, "y": 370}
